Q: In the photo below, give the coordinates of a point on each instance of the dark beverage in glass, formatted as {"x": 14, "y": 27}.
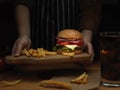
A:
{"x": 110, "y": 58}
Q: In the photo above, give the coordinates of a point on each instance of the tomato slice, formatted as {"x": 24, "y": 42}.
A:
{"x": 66, "y": 42}
{"x": 80, "y": 43}
{"x": 63, "y": 43}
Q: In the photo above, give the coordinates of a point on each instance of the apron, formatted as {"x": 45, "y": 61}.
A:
{"x": 51, "y": 16}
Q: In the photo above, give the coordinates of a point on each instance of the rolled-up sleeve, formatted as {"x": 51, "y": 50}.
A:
{"x": 28, "y": 3}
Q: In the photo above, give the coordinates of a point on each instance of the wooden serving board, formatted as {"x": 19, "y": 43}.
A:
{"x": 84, "y": 57}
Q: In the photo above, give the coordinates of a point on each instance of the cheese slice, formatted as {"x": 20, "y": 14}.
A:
{"x": 71, "y": 46}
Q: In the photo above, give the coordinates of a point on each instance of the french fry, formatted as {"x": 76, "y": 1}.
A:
{"x": 31, "y": 51}
{"x": 26, "y": 53}
{"x": 54, "y": 83}
{"x": 8, "y": 83}
{"x": 34, "y": 54}
{"x": 42, "y": 52}
{"x": 77, "y": 82}
{"x": 39, "y": 52}
{"x": 79, "y": 77}
{"x": 82, "y": 79}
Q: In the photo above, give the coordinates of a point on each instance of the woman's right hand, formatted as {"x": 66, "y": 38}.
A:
{"x": 20, "y": 43}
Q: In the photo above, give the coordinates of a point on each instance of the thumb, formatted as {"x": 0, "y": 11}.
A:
{"x": 18, "y": 50}
{"x": 91, "y": 51}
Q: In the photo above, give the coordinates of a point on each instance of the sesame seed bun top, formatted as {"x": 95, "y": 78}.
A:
{"x": 70, "y": 34}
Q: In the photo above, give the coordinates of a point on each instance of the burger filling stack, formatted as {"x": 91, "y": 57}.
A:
{"x": 69, "y": 42}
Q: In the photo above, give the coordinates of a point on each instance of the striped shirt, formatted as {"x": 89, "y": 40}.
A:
{"x": 51, "y": 16}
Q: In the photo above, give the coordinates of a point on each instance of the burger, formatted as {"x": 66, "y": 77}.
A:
{"x": 69, "y": 42}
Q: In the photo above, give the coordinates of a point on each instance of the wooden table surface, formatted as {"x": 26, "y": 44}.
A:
{"x": 22, "y": 86}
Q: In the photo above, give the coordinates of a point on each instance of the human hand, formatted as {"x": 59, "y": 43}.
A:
{"x": 87, "y": 37}
{"x": 20, "y": 43}
{"x": 89, "y": 47}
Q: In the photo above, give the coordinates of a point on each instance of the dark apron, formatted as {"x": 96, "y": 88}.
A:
{"x": 51, "y": 16}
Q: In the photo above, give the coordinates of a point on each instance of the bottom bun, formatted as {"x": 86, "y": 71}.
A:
{"x": 69, "y": 53}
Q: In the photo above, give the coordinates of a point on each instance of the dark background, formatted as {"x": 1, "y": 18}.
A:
{"x": 110, "y": 21}
{"x": 8, "y": 32}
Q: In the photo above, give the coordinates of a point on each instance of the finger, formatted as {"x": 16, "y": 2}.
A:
{"x": 28, "y": 46}
{"x": 14, "y": 49}
{"x": 92, "y": 57}
{"x": 91, "y": 51}
{"x": 18, "y": 49}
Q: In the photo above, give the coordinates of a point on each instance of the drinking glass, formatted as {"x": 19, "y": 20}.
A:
{"x": 110, "y": 58}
